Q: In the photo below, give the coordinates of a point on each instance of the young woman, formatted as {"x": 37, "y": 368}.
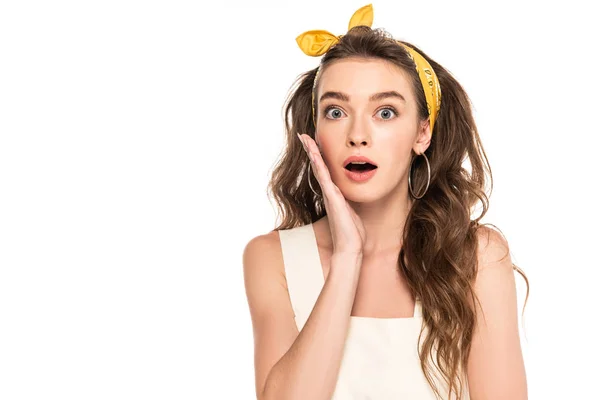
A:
{"x": 378, "y": 284}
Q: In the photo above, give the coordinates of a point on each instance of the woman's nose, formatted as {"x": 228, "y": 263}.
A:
{"x": 359, "y": 134}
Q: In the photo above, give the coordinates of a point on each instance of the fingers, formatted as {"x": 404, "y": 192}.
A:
{"x": 317, "y": 163}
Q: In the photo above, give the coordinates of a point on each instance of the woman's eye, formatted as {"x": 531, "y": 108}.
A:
{"x": 386, "y": 113}
{"x": 333, "y": 113}
{"x": 336, "y": 113}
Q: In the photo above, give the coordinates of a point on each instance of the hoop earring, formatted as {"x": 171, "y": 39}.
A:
{"x": 428, "y": 176}
{"x": 309, "y": 184}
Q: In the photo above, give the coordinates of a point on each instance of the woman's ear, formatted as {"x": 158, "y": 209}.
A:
{"x": 423, "y": 138}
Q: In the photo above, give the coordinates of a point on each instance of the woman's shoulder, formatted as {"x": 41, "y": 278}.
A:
{"x": 262, "y": 249}
{"x": 263, "y": 266}
{"x": 492, "y": 247}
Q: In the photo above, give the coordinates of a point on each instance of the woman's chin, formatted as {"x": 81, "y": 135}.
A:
{"x": 360, "y": 194}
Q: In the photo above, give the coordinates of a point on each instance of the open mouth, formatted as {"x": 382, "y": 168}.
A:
{"x": 360, "y": 167}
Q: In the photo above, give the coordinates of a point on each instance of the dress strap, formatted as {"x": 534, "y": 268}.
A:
{"x": 418, "y": 310}
{"x": 303, "y": 270}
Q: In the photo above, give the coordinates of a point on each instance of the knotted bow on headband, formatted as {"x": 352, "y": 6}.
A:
{"x": 316, "y": 42}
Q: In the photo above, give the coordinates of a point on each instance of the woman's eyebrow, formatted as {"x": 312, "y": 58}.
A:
{"x": 375, "y": 97}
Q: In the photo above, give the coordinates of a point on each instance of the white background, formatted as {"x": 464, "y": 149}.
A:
{"x": 137, "y": 139}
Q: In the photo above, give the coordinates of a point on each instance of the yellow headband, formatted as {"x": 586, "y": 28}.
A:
{"x": 316, "y": 42}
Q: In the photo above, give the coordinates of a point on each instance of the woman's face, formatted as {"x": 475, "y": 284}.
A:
{"x": 367, "y": 108}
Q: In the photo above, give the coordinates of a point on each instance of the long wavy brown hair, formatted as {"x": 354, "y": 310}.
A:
{"x": 438, "y": 256}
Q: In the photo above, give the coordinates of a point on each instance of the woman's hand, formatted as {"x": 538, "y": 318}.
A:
{"x": 347, "y": 229}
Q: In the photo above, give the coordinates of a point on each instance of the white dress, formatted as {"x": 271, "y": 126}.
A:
{"x": 380, "y": 360}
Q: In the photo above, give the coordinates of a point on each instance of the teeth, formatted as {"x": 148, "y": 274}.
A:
{"x": 357, "y": 162}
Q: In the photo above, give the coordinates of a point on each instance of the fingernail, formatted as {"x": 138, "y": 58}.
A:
{"x": 301, "y": 140}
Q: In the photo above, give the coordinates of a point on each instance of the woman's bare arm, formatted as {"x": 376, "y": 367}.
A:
{"x": 291, "y": 364}
{"x": 496, "y": 369}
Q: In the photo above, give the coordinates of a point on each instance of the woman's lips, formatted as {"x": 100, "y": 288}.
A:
{"x": 360, "y": 176}
{"x": 358, "y": 159}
